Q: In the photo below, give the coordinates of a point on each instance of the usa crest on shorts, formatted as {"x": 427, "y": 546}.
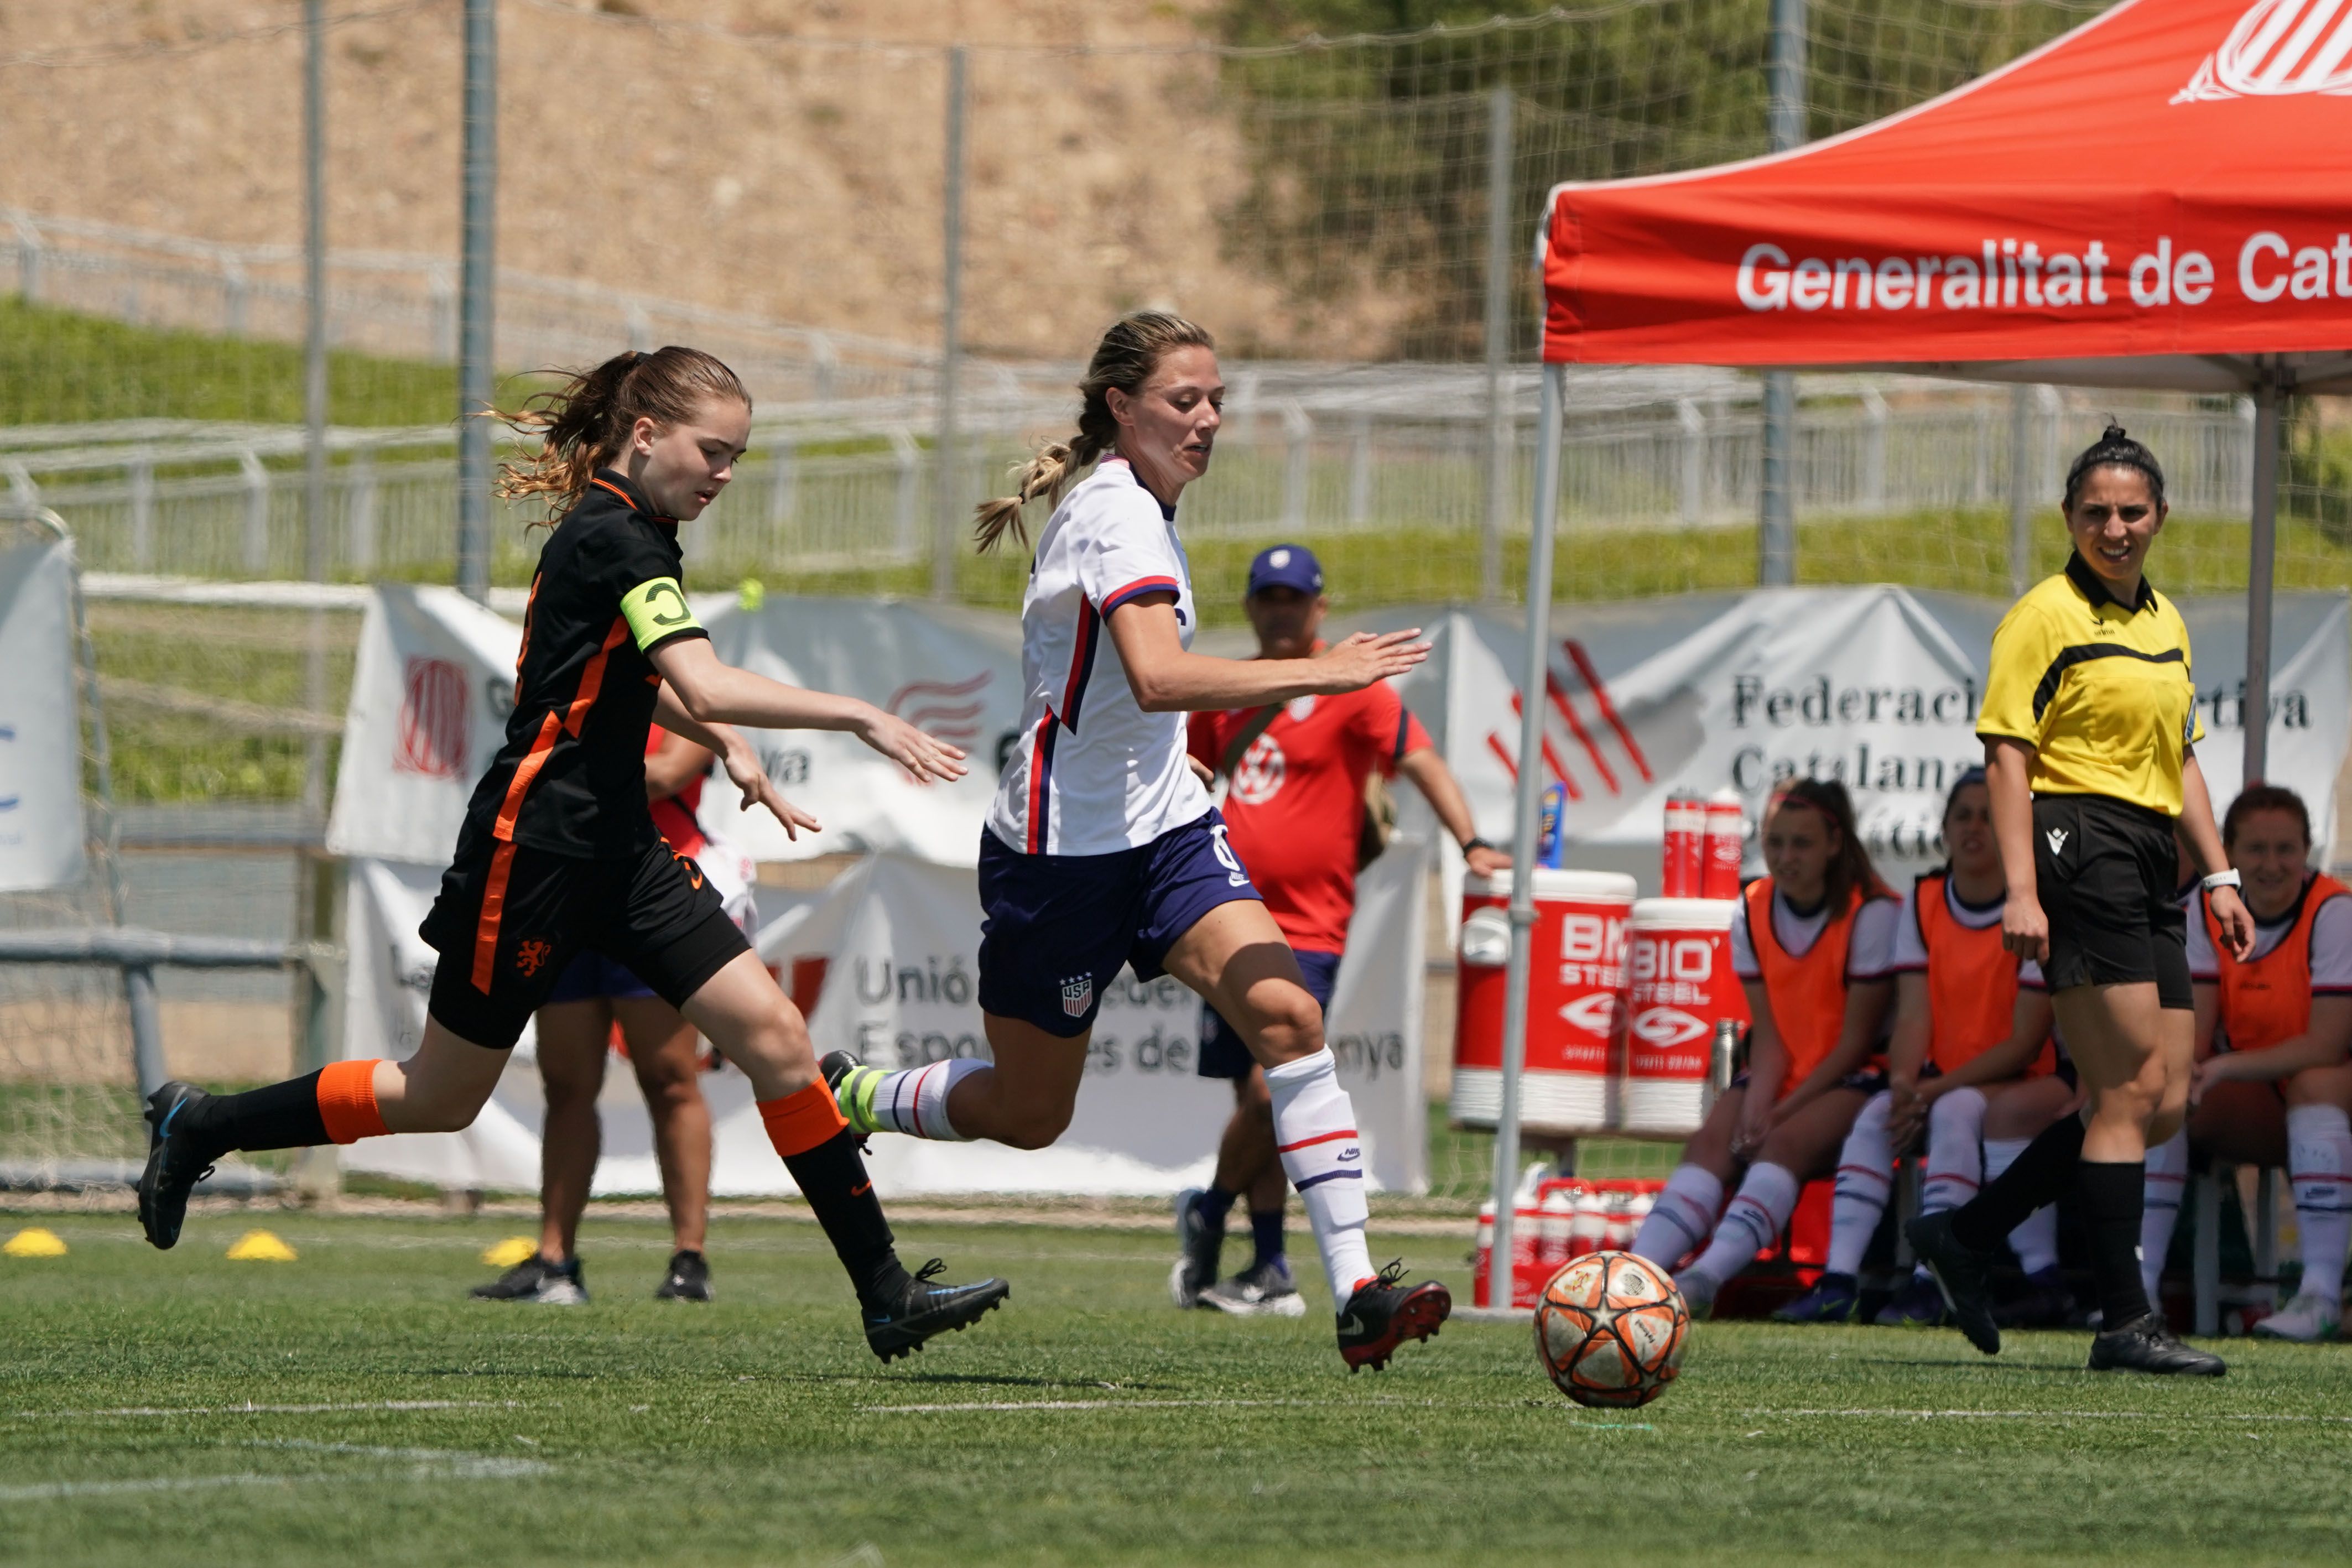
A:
{"x": 1078, "y": 994}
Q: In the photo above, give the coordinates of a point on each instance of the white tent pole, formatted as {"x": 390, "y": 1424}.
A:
{"x": 1526, "y": 809}
{"x": 2261, "y": 550}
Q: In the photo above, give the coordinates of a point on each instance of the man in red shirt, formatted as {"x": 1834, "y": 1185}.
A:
{"x": 1295, "y": 812}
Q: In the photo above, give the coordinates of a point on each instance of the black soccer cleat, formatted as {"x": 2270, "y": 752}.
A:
{"x": 2145, "y": 1344}
{"x": 923, "y": 1309}
{"x": 688, "y": 1279}
{"x": 1383, "y": 1314}
{"x": 1959, "y": 1271}
{"x": 537, "y": 1278}
{"x": 173, "y": 1166}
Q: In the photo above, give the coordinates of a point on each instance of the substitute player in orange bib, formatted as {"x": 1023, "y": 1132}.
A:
{"x": 1971, "y": 1043}
{"x": 1298, "y": 817}
{"x": 2271, "y": 1087}
{"x": 559, "y": 854}
{"x": 1813, "y": 943}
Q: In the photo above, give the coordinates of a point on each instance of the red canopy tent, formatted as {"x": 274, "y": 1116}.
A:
{"x": 2161, "y": 198}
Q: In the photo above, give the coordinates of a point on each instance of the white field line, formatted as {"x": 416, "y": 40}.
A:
{"x": 979, "y": 1404}
{"x": 421, "y": 1464}
{"x": 404, "y": 1406}
{"x": 2221, "y": 1417}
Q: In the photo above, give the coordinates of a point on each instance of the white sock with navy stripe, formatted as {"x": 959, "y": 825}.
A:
{"x": 1752, "y": 1223}
{"x": 916, "y": 1101}
{"x": 2319, "y": 1159}
{"x": 1866, "y": 1176}
{"x": 1315, "y": 1131}
{"x": 1681, "y": 1217}
{"x": 2167, "y": 1179}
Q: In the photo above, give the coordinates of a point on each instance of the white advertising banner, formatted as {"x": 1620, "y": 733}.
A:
{"x": 1877, "y": 687}
{"x": 889, "y": 954}
{"x": 435, "y": 682}
{"x": 955, "y": 675}
{"x": 431, "y": 690}
{"x": 41, "y": 832}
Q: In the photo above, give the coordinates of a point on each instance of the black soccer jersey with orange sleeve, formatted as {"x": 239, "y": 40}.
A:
{"x": 571, "y": 777}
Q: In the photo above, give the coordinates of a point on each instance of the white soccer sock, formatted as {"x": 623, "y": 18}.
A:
{"x": 1955, "y": 1150}
{"x": 1865, "y": 1177}
{"x": 1681, "y": 1217}
{"x": 1315, "y": 1131}
{"x": 916, "y": 1101}
{"x": 2168, "y": 1180}
{"x": 1752, "y": 1223}
{"x": 2035, "y": 1239}
{"x": 2319, "y": 1159}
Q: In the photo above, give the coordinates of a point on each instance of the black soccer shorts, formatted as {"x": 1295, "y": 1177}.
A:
{"x": 2107, "y": 871}
{"x": 510, "y": 919}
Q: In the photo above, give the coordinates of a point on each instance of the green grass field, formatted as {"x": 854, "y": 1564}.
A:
{"x": 394, "y": 1421}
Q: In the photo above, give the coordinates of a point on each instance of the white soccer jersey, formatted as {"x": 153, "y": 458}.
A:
{"x": 1093, "y": 773}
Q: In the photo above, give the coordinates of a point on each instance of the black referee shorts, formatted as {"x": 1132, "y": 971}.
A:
{"x": 510, "y": 919}
{"x": 2107, "y": 871}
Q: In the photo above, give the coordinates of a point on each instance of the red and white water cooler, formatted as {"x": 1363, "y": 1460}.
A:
{"x": 1679, "y": 986}
{"x": 1575, "y": 1007}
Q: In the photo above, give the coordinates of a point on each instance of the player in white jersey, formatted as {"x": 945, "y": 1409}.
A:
{"x": 1102, "y": 849}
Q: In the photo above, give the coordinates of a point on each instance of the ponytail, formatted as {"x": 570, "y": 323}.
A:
{"x": 584, "y": 427}
{"x": 1125, "y": 359}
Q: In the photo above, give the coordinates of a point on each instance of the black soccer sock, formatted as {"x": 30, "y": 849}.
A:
{"x": 2111, "y": 1193}
{"x": 276, "y": 1116}
{"x": 833, "y": 1177}
{"x": 2035, "y": 1177}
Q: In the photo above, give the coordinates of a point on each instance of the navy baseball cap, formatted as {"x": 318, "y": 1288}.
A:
{"x": 1287, "y": 566}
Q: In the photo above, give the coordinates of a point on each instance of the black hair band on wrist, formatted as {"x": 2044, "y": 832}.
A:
{"x": 1474, "y": 842}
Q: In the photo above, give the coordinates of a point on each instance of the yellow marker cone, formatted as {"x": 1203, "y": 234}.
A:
{"x": 260, "y": 1247}
{"x": 34, "y": 1242}
{"x": 509, "y": 1252}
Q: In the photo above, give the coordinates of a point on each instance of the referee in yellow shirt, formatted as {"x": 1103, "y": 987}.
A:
{"x": 2090, "y": 726}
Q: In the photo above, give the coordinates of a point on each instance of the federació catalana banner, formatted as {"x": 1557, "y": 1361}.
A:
{"x": 2168, "y": 179}
{"x": 1876, "y": 687}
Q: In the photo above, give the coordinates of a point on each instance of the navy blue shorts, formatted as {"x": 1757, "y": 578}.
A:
{"x": 1222, "y": 1052}
{"x": 1057, "y": 928}
{"x": 591, "y": 977}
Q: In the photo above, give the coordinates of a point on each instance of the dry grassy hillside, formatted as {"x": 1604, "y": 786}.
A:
{"x": 798, "y": 180}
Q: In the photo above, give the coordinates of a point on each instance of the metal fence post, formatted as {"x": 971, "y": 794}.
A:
{"x": 1501, "y": 418}
{"x": 359, "y": 510}
{"x": 1873, "y": 450}
{"x": 902, "y": 452}
{"x": 143, "y": 512}
{"x": 314, "y": 383}
{"x": 256, "y": 511}
{"x": 2020, "y": 488}
{"x": 1693, "y": 420}
{"x": 943, "y": 545}
{"x": 1777, "y": 524}
{"x": 1299, "y": 435}
{"x": 28, "y": 262}
{"x": 478, "y": 297}
{"x": 783, "y": 461}
{"x": 1359, "y": 471}
{"x": 2260, "y": 559}
{"x": 146, "y": 1029}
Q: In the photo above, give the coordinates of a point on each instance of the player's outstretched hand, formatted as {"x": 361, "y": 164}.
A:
{"x": 742, "y": 765}
{"x": 924, "y": 756}
{"x": 1368, "y": 656}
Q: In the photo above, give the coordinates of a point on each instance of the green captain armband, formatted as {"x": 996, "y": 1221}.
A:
{"x": 656, "y": 611}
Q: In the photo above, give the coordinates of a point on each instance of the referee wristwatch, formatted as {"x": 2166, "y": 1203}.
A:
{"x": 2224, "y": 879}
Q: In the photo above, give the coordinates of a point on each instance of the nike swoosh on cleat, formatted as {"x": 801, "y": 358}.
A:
{"x": 861, "y": 1189}
{"x": 163, "y": 1129}
{"x": 1351, "y": 1323}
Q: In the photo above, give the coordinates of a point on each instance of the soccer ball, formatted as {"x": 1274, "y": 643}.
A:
{"x": 1610, "y": 1329}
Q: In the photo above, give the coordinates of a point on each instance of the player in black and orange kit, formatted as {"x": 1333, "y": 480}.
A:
{"x": 559, "y": 853}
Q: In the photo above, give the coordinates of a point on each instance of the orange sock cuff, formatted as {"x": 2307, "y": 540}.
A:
{"x": 799, "y": 1122}
{"x": 347, "y": 1101}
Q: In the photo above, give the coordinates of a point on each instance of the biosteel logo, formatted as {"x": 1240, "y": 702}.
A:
{"x": 2279, "y": 48}
{"x": 433, "y": 720}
